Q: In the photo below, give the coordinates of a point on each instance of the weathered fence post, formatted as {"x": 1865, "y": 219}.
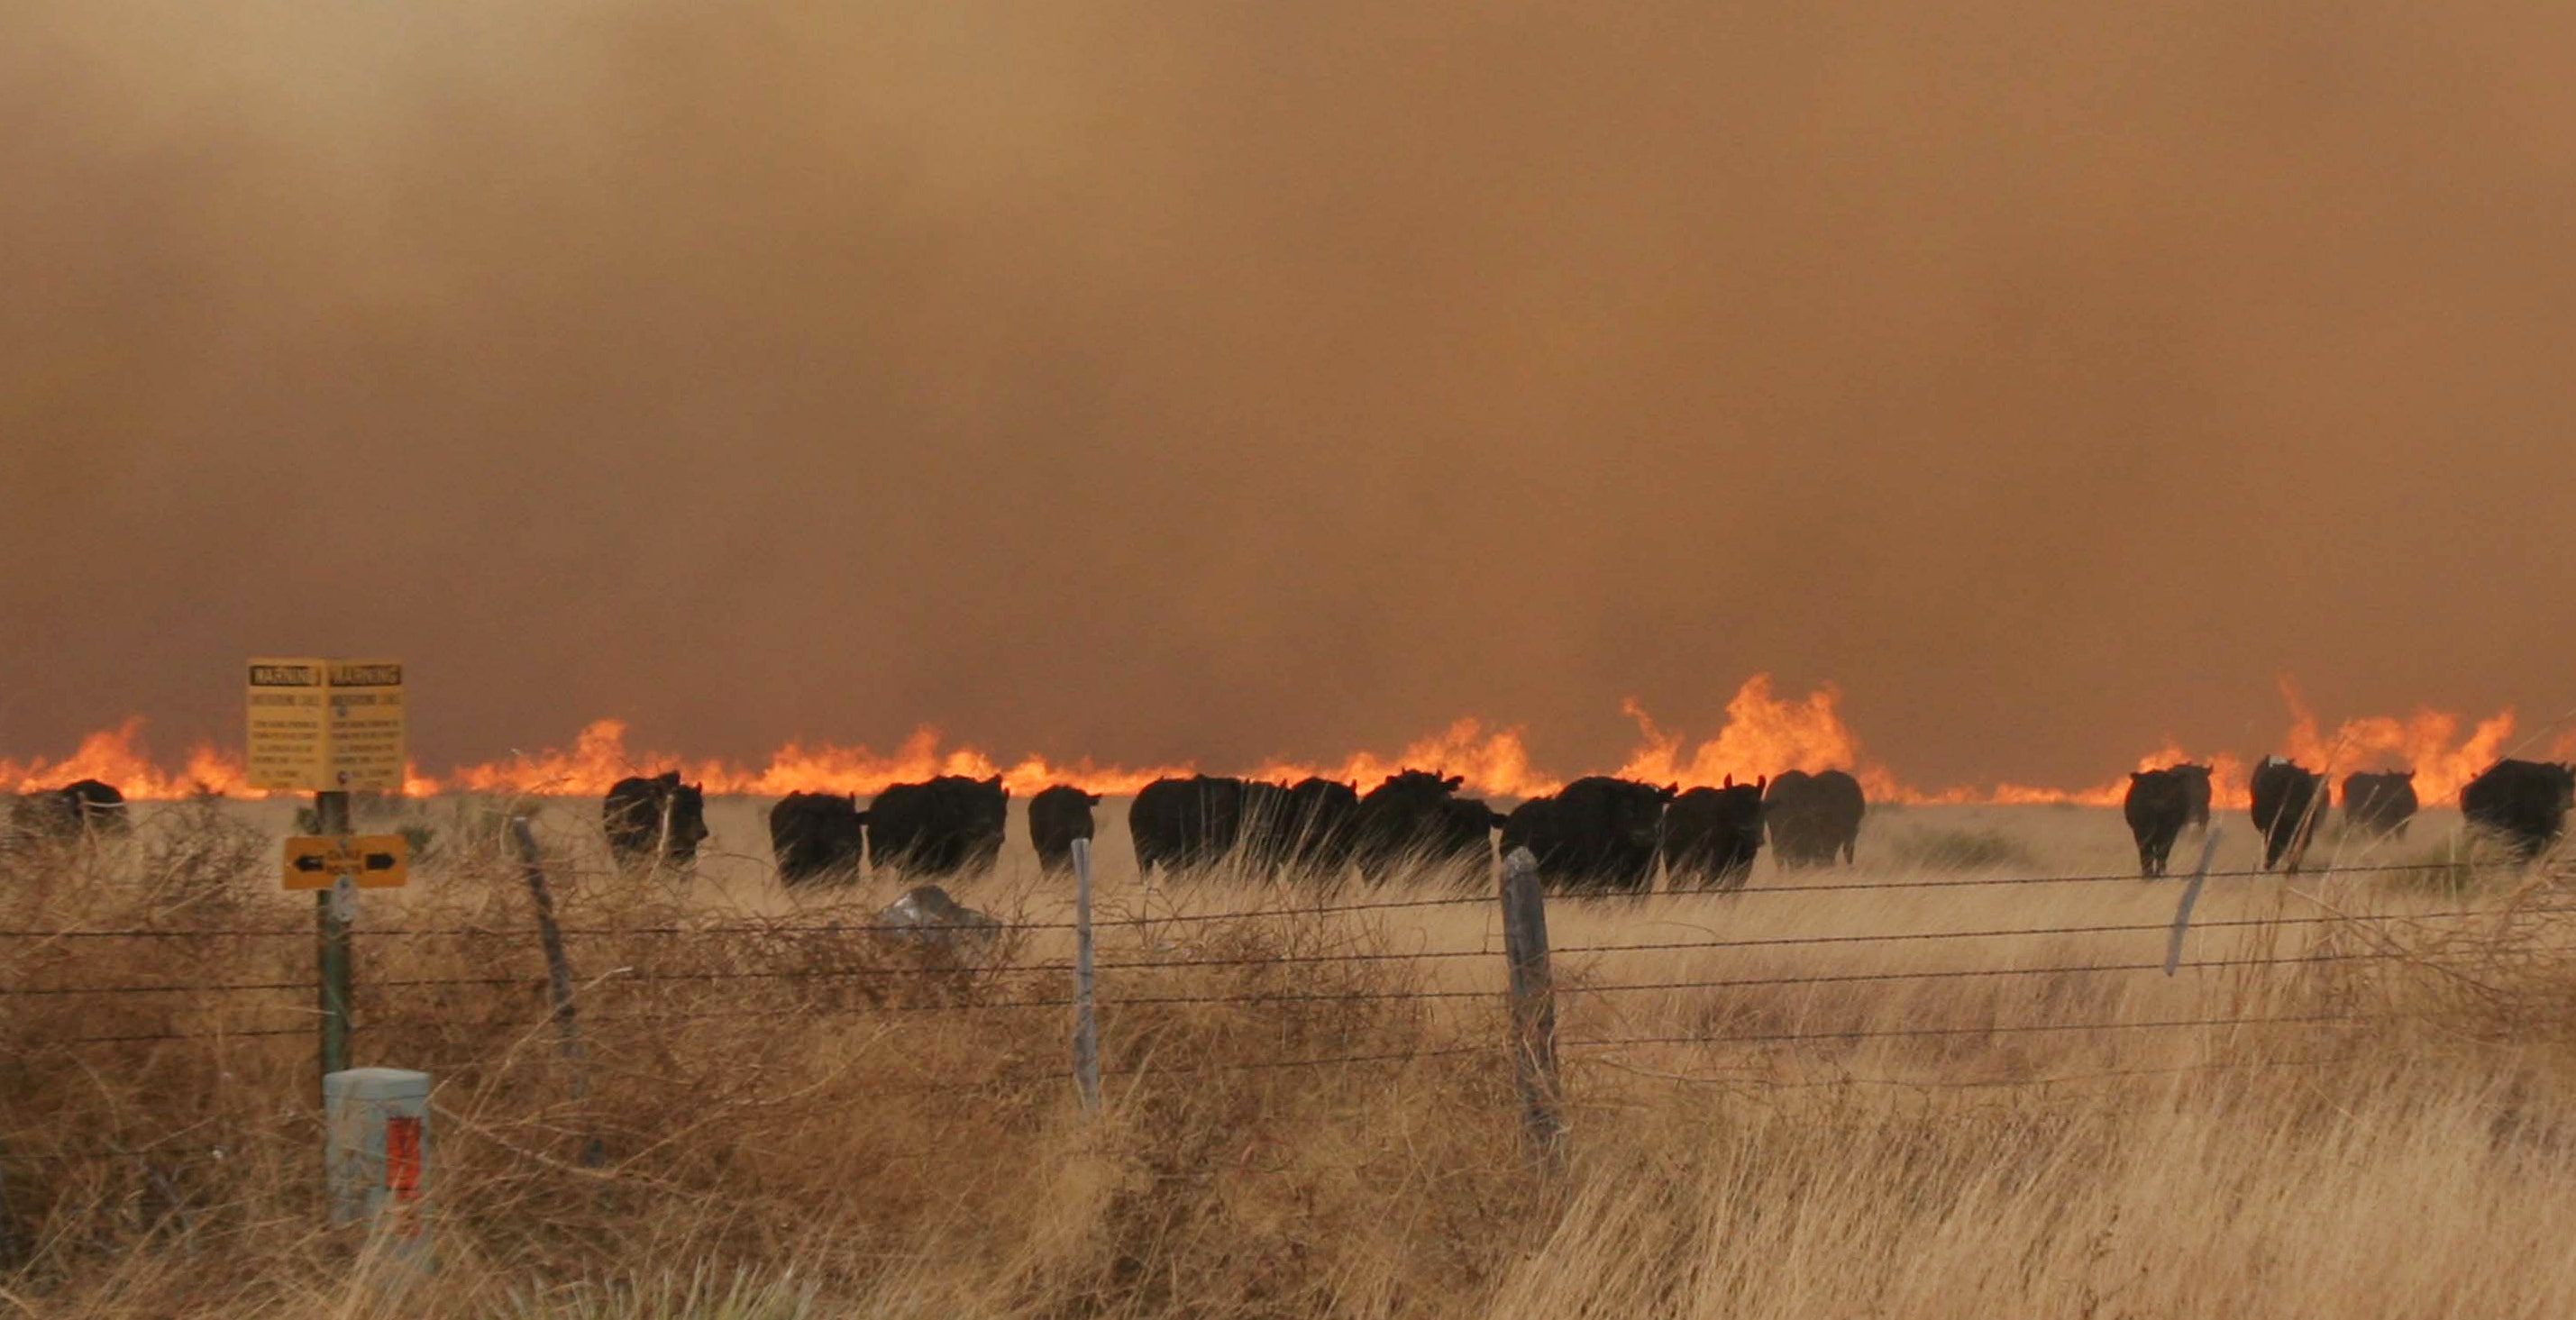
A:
{"x": 1086, "y": 1027}
{"x": 558, "y": 980}
{"x": 333, "y": 909}
{"x": 376, "y": 1152}
{"x": 1533, "y": 1001}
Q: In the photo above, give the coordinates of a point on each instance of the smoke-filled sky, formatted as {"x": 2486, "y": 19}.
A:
{"x": 1168, "y": 380}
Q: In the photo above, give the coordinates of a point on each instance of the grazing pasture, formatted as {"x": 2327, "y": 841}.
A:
{"x": 1953, "y": 1079}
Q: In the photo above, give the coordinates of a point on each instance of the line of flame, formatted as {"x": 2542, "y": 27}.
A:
{"x": 1763, "y": 734}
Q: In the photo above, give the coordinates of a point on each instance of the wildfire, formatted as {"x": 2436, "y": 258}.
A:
{"x": 2227, "y": 783}
{"x": 600, "y": 757}
{"x": 116, "y": 756}
{"x": 1494, "y": 764}
{"x": 1764, "y": 733}
{"x": 2427, "y": 741}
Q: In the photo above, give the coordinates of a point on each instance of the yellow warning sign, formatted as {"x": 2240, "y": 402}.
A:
{"x": 289, "y": 724}
{"x": 320, "y": 725}
{"x": 366, "y": 735}
{"x": 371, "y": 861}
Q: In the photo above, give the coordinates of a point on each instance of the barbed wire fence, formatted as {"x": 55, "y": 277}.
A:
{"x": 1558, "y": 1014}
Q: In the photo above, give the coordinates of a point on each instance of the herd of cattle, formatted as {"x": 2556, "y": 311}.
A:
{"x": 1596, "y": 834}
{"x": 2524, "y": 804}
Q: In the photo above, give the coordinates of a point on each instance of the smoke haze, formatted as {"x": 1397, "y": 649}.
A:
{"x": 1163, "y": 380}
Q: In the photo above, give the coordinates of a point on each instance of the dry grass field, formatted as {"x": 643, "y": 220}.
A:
{"x": 1907, "y": 1089}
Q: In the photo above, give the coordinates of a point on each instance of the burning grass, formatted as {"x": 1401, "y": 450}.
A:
{"x": 802, "y": 1118}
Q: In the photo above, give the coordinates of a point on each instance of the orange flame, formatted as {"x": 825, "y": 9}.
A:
{"x": 599, "y": 758}
{"x": 1763, "y": 734}
{"x": 116, "y": 756}
{"x": 2227, "y": 783}
{"x": 1493, "y": 764}
{"x": 2427, "y": 742}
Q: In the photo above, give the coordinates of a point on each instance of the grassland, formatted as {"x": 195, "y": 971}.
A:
{"x": 2380, "y": 1119}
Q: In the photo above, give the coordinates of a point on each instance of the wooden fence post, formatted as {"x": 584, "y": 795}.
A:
{"x": 558, "y": 980}
{"x": 1533, "y": 1002}
{"x": 1086, "y": 1027}
{"x": 331, "y": 918}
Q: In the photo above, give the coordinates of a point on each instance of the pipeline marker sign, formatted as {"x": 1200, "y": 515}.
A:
{"x": 366, "y": 743}
{"x": 289, "y": 724}
{"x": 320, "y": 725}
{"x": 370, "y": 861}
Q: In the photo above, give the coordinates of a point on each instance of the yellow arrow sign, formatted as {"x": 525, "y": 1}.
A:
{"x": 372, "y": 861}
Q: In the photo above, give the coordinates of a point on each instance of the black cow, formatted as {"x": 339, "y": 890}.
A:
{"x": 2379, "y": 804}
{"x": 1261, "y": 825}
{"x": 1711, "y": 835}
{"x": 1467, "y": 828}
{"x": 1185, "y": 824}
{"x": 2195, "y": 785}
{"x": 100, "y": 806}
{"x": 1416, "y": 817}
{"x": 2157, "y": 807}
{"x": 652, "y": 819}
{"x": 2523, "y": 803}
{"x": 1057, "y": 817}
{"x": 83, "y": 808}
{"x": 951, "y": 825}
{"x": 1316, "y": 835}
{"x": 2285, "y": 809}
{"x": 817, "y": 836}
{"x": 1813, "y": 817}
{"x": 1597, "y": 833}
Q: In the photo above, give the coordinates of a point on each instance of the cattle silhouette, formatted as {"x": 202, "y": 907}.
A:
{"x": 1417, "y": 818}
{"x": 1814, "y": 817}
{"x": 817, "y": 837}
{"x": 1058, "y": 816}
{"x": 1598, "y": 833}
{"x": 948, "y": 826}
{"x": 2157, "y": 806}
{"x": 2379, "y": 804}
{"x": 2285, "y": 809}
{"x": 2522, "y": 803}
{"x": 654, "y": 819}
{"x": 1712, "y": 835}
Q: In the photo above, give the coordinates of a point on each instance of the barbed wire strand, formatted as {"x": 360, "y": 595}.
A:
{"x": 1324, "y": 909}
{"x": 2130, "y": 928}
{"x": 1979, "y": 1083}
{"x": 1773, "y": 1038}
{"x": 610, "y": 980}
{"x": 1965, "y": 973}
{"x": 147, "y": 1036}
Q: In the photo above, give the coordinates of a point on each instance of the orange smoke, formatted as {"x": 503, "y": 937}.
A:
{"x": 1763, "y": 734}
